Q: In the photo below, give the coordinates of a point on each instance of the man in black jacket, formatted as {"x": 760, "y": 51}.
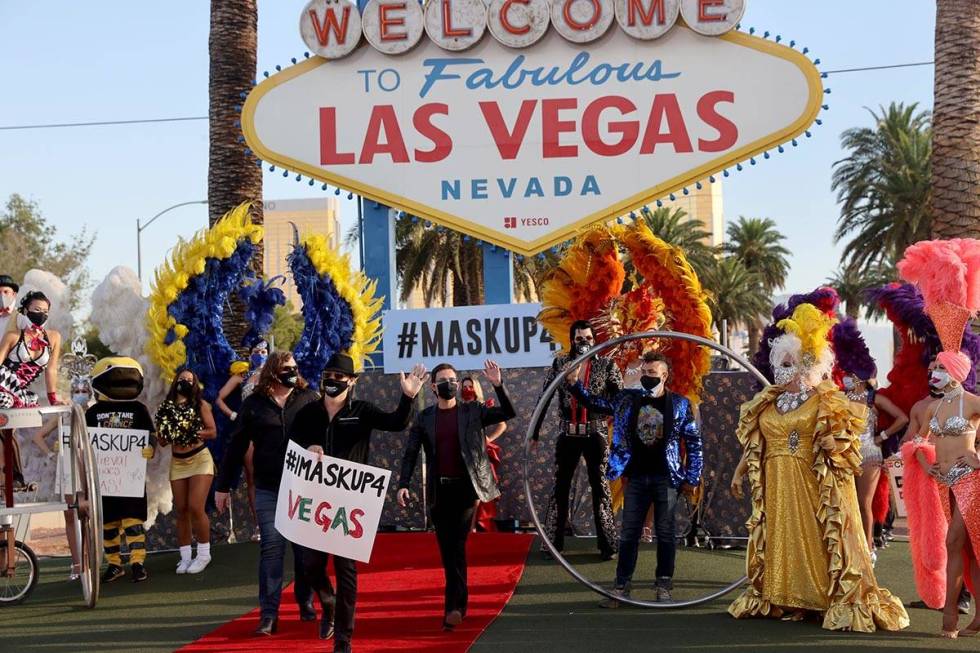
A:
{"x": 581, "y": 433}
{"x": 340, "y": 426}
{"x": 459, "y": 471}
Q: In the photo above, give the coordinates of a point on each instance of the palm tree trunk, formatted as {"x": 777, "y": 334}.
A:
{"x": 233, "y": 176}
{"x": 955, "y": 202}
{"x": 755, "y": 335}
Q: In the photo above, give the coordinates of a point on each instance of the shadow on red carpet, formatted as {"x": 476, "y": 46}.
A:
{"x": 399, "y": 600}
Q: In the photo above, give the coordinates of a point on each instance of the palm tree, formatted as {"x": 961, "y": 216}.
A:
{"x": 674, "y": 227}
{"x": 758, "y": 245}
{"x": 955, "y": 203}
{"x": 734, "y": 293}
{"x": 531, "y": 271}
{"x": 441, "y": 262}
{"x": 852, "y": 286}
{"x": 233, "y": 176}
{"x": 884, "y": 186}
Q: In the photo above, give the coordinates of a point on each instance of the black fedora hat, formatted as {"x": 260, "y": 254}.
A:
{"x": 8, "y": 281}
{"x": 342, "y": 363}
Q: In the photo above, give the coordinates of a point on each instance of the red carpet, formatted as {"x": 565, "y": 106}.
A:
{"x": 399, "y": 599}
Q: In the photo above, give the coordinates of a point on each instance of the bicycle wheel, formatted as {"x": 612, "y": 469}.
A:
{"x": 88, "y": 506}
{"x": 17, "y": 586}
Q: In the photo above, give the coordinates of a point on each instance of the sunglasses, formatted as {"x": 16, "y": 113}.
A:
{"x": 289, "y": 368}
{"x": 584, "y": 339}
{"x": 334, "y": 376}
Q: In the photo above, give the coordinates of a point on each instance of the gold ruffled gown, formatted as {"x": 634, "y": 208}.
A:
{"x": 807, "y": 549}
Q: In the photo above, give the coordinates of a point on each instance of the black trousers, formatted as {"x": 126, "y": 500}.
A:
{"x": 452, "y": 516}
{"x": 568, "y": 451}
{"x": 345, "y": 599}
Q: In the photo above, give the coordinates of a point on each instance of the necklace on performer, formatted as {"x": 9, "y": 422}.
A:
{"x": 790, "y": 401}
{"x": 859, "y": 397}
{"x": 952, "y": 395}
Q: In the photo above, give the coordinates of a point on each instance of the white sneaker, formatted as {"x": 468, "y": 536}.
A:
{"x": 182, "y": 566}
{"x": 874, "y": 558}
{"x": 198, "y": 565}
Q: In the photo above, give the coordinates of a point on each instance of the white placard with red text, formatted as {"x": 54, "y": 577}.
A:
{"x": 329, "y": 504}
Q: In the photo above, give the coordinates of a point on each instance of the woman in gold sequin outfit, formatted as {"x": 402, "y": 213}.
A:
{"x": 807, "y": 554}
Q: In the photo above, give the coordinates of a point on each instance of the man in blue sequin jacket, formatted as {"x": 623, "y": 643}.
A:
{"x": 650, "y": 424}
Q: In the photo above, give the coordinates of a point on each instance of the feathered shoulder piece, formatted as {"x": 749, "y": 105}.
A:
{"x": 340, "y": 310}
{"x": 665, "y": 271}
{"x": 588, "y": 277}
{"x": 189, "y": 294}
{"x": 812, "y": 326}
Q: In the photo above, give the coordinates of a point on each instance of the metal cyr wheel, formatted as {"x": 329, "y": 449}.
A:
{"x": 535, "y": 425}
{"x": 88, "y": 506}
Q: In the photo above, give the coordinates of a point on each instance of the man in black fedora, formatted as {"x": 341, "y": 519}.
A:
{"x": 340, "y": 426}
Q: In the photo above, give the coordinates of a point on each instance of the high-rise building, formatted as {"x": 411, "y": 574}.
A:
{"x": 704, "y": 205}
{"x": 310, "y": 215}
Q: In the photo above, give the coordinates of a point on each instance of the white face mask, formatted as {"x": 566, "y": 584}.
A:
{"x": 6, "y": 301}
{"x": 783, "y": 375}
{"x": 939, "y": 379}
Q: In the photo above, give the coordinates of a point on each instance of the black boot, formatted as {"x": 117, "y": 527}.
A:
{"x": 326, "y": 621}
{"x": 307, "y": 612}
{"x": 267, "y": 626}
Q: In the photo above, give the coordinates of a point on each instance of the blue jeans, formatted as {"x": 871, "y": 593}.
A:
{"x": 272, "y": 554}
{"x": 641, "y": 491}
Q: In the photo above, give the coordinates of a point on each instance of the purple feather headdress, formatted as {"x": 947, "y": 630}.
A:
{"x": 851, "y": 351}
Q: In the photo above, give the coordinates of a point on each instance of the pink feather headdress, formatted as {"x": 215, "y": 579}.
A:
{"x": 948, "y": 273}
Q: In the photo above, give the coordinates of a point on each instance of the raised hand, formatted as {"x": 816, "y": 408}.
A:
{"x": 572, "y": 376}
{"x": 494, "y": 374}
{"x": 413, "y": 381}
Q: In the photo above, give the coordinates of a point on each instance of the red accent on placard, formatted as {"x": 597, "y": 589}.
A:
{"x": 442, "y": 143}
{"x": 329, "y": 25}
{"x": 328, "y": 139}
{"x": 384, "y": 22}
{"x": 358, "y": 530}
{"x": 552, "y": 128}
{"x": 629, "y": 130}
{"x": 566, "y": 13}
{"x": 293, "y": 505}
{"x": 705, "y": 17}
{"x": 508, "y": 142}
{"x": 383, "y": 116}
{"x": 505, "y": 22}
{"x": 646, "y": 16}
{"x": 708, "y": 112}
{"x": 666, "y": 106}
{"x": 447, "y": 23}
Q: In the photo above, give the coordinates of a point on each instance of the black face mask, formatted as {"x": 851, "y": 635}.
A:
{"x": 37, "y": 318}
{"x": 184, "y": 387}
{"x": 288, "y": 379}
{"x": 447, "y": 389}
{"x": 581, "y": 348}
{"x": 333, "y": 387}
{"x": 650, "y": 383}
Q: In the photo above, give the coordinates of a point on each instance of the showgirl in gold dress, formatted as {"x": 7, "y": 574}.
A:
{"x": 807, "y": 552}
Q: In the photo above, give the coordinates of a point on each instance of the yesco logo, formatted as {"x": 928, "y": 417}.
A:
{"x": 333, "y": 28}
{"x": 510, "y": 223}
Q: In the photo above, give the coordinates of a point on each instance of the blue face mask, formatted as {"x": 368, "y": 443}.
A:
{"x": 257, "y": 360}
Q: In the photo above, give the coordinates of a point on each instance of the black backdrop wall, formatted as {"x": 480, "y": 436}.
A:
{"x": 724, "y": 392}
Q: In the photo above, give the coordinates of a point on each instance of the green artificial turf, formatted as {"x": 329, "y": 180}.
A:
{"x": 549, "y": 611}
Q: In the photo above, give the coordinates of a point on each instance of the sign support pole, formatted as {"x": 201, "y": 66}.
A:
{"x": 498, "y": 275}
{"x": 378, "y": 241}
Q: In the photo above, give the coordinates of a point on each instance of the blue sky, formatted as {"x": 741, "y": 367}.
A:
{"x": 114, "y": 60}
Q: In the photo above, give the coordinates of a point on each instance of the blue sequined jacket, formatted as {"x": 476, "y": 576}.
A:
{"x": 683, "y": 427}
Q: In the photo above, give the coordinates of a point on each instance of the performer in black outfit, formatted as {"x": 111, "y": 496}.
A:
{"x": 582, "y": 433}
{"x": 459, "y": 471}
{"x": 340, "y": 426}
